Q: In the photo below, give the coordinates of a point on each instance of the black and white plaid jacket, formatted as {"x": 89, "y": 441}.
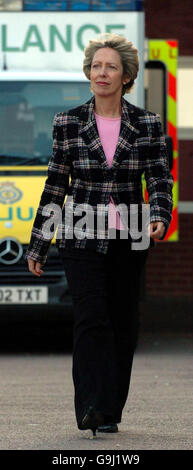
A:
{"x": 78, "y": 153}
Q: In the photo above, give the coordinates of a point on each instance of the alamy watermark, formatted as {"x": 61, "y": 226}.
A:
{"x": 93, "y": 222}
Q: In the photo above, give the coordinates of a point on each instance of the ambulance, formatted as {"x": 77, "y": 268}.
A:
{"x": 28, "y": 103}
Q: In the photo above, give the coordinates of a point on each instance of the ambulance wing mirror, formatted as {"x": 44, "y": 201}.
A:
{"x": 155, "y": 85}
{"x": 156, "y": 97}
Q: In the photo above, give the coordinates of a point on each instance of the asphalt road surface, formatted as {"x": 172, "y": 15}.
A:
{"x": 37, "y": 409}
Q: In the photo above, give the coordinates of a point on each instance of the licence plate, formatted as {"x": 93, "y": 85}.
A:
{"x": 23, "y": 295}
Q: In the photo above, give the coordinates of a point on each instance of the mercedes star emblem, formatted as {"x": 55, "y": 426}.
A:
{"x": 10, "y": 250}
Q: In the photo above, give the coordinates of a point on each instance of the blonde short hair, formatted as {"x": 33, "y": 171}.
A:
{"x": 126, "y": 50}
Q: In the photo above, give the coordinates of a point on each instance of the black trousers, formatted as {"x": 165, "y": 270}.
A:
{"x": 105, "y": 295}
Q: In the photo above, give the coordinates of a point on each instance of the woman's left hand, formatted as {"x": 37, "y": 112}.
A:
{"x": 156, "y": 229}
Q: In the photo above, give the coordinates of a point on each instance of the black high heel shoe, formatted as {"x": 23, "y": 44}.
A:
{"x": 109, "y": 427}
{"x": 92, "y": 420}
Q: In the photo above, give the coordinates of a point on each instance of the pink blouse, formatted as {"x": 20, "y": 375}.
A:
{"x": 109, "y": 129}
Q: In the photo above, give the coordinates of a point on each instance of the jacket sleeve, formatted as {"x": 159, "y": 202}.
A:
{"x": 159, "y": 181}
{"x": 54, "y": 192}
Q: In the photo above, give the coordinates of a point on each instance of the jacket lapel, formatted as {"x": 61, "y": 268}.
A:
{"x": 89, "y": 132}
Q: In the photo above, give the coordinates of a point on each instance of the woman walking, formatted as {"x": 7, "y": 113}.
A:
{"x": 104, "y": 146}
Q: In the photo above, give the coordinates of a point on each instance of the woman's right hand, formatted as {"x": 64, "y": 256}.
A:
{"x": 35, "y": 267}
